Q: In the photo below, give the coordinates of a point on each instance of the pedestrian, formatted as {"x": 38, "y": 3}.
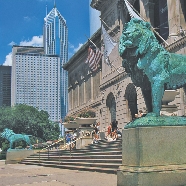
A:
{"x": 140, "y": 113}
{"x": 109, "y": 131}
{"x": 114, "y": 125}
{"x": 68, "y": 138}
{"x": 119, "y": 132}
{"x": 114, "y": 135}
{"x": 96, "y": 132}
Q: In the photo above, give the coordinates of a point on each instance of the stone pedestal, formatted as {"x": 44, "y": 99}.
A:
{"x": 85, "y": 137}
{"x": 16, "y": 155}
{"x": 153, "y": 156}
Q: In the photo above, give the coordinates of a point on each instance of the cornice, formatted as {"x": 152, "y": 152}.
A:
{"x": 96, "y": 4}
{"x": 176, "y": 44}
{"x": 82, "y": 49}
{"x": 90, "y": 104}
{"x": 113, "y": 80}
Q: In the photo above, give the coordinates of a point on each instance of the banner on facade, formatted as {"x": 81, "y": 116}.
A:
{"x": 109, "y": 45}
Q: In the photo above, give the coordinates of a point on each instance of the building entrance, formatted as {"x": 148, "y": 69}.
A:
{"x": 111, "y": 105}
{"x": 131, "y": 97}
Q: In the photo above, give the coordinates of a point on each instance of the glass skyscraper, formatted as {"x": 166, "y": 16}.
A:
{"x": 56, "y": 43}
{"x": 38, "y": 78}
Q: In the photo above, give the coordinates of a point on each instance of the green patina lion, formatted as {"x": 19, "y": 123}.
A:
{"x": 12, "y": 137}
{"x": 161, "y": 67}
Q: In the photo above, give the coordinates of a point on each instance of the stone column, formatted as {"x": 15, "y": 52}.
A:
{"x": 84, "y": 92}
{"x": 72, "y": 98}
{"x": 78, "y": 94}
{"x": 172, "y": 17}
{"x": 92, "y": 87}
{"x": 122, "y": 13}
{"x": 147, "y": 10}
{"x": 181, "y": 14}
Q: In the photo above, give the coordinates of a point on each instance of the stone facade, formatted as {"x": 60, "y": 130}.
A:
{"x": 110, "y": 90}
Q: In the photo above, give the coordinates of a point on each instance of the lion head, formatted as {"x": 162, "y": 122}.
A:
{"x": 136, "y": 33}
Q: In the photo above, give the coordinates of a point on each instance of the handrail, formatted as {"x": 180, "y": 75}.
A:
{"x": 64, "y": 146}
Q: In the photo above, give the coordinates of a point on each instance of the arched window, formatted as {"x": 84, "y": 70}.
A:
{"x": 131, "y": 96}
{"x": 111, "y": 105}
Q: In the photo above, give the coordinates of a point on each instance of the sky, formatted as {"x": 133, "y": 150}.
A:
{"x": 21, "y": 23}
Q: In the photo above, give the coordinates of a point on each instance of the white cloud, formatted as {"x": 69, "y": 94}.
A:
{"x": 79, "y": 46}
{"x": 26, "y": 18}
{"x": 35, "y": 41}
{"x": 8, "y": 61}
{"x": 12, "y": 43}
{"x": 73, "y": 47}
{"x": 70, "y": 45}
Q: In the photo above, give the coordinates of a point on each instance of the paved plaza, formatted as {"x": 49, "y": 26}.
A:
{"x": 31, "y": 175}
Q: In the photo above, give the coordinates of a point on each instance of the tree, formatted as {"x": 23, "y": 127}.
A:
{"x": 24, "y": 119}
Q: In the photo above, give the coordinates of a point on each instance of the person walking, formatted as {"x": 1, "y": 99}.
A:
{"x": 68, "y": 139}
{"x": 96, "y": 132}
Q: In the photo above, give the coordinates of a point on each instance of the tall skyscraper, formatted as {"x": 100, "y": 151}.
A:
{"x": 5, "y": 86}
{"x": 36, "y": 80}
{"x": 56, "y": 43}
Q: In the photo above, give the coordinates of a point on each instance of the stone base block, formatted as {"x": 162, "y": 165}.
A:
{"x": 83, "y": 142}
{"x": 153, "y": 156}
{"x": 16, "y": 155}
{"x": 162, "y": 178}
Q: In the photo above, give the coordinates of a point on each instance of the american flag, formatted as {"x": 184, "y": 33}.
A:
{"x": 94, "y": 57}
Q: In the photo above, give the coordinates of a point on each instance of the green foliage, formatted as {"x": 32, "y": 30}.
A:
{"x": 87, "y": 113}
{"x": 24, "y": 119}
{"x": 69, "y": 118}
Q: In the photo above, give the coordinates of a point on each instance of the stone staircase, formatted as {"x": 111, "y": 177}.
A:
{"x": 103, "y": 156}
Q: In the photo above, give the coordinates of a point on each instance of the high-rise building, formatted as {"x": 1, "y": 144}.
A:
{"x": 5, "y": 86}
{"x": 36, "y": 80}
{"x": 37, "y": 75}
{"x": 56, "y": 43}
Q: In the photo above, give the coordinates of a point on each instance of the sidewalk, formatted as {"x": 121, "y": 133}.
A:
{"x": 31, "y": 175}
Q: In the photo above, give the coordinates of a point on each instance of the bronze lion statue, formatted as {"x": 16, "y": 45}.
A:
{"x": 12, "y": 137}
{"x": 141, "y": 52}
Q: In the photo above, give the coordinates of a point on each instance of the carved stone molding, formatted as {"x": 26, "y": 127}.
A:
{"x": 99, "y": 4}
{"x": 113, "y": 80}
{"x": 176, "y": 44}
{"x": 111, "y": 18}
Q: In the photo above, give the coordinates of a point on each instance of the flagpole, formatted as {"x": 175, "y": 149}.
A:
{"x": 91, "y": 41}
{"x": 146, "y": 21}
{"x": 97, "y": 47}
{"x": 107, "y": 26}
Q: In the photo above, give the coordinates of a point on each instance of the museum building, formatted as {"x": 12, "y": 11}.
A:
{"x": 110, "y": 90}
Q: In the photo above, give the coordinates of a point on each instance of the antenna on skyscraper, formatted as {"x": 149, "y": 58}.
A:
{"x": 54, "y": 3}
{"x": 46, "y": 10}
{"x": 46, "y": 32}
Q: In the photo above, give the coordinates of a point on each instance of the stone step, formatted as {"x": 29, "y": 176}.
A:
{"x": 79, "y": 168}
{"x": 74, "y": 152}
{"x": 76, "y": 163}
{"x": 106, "y": 156}
{"x": 107, "y": 161}
{"x": 103, "y": 156}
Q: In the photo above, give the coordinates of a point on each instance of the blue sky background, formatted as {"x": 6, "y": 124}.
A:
{"x": 21, "y": 23}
